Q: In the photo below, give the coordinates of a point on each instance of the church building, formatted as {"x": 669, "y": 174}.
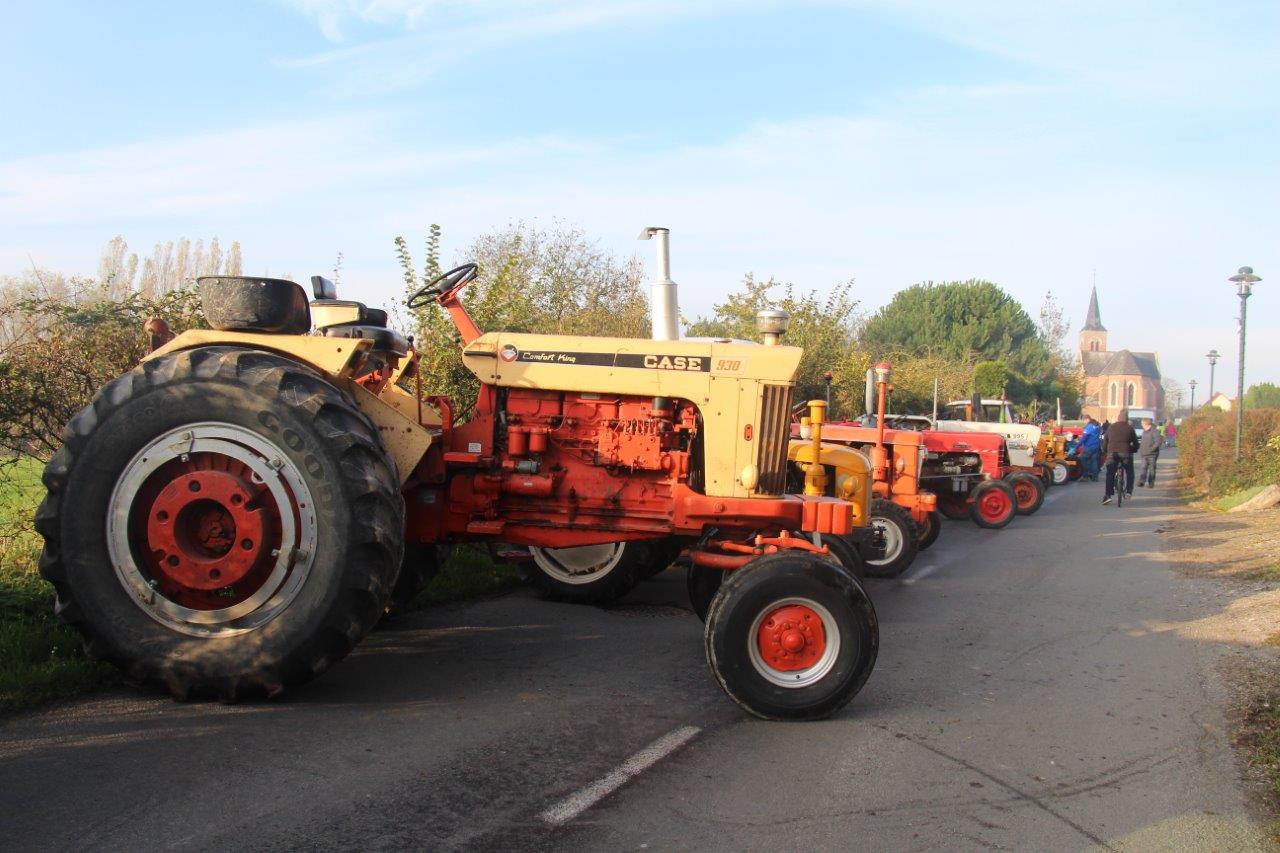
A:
{"x": 1115, "y": 380}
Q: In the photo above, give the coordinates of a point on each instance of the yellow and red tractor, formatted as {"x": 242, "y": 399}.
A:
{"x": 903, "y": 514}
{"x": 230, "y": 517}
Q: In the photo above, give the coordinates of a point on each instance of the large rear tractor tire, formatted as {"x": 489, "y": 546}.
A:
{"x": 901, "y": 540}
{"x": 1028, "y": 490}
{"x": 791, "y": 636}
{"x": 663, "y": 554}
{"x": 930, "y": 529}
{"x": 994, "y": 504}
{"x": 420, "y": 566}
{"x": 221, "y": 521}
{"x": 595, "y": 574}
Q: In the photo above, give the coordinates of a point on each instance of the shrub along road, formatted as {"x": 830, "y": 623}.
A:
{"x": 1034, "y": 689}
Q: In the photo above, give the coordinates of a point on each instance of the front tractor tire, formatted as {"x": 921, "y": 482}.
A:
{"x": 1028, "y": 490}
{"x": 901, "y": 540}
{"x": 1062, "y": 473}
{"x": 703, "y": 583}
{"x": 221, "y": 522}
{"x": 993, "y": 504}
{"x": 791, "y": 636}
{"x": 930, "y": 529}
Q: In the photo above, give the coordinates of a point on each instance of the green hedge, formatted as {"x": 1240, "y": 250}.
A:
{"x": 1206, "y": 450}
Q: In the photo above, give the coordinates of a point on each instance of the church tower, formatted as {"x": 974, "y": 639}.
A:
{"x": 1093, "y": 337}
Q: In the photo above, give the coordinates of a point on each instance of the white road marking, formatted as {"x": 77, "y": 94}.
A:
{"x": 583, "y": 799}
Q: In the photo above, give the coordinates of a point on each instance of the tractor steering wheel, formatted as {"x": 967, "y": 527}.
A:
{"x": 449, "y": 282}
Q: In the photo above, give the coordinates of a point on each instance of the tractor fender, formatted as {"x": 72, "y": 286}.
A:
{"x": 853, "y": 473}
{"x": 404, "y": 438}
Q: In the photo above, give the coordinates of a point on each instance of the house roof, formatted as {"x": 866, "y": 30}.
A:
{"x": 1093, "y": 320}
{"x": 1121, "y": 363}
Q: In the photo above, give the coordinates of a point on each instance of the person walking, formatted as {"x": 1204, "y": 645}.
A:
{"x": 1170, "y": 434}
{"x": 1090, "y": 446}
{"x": 1149, "y": 453}
{"x": 1118, "y": 444}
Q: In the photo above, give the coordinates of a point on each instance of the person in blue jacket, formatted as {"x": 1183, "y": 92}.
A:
{"x": 1090, "y": 447}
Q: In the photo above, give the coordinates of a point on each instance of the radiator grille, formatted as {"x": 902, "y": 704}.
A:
{"x": 775, "y": 435}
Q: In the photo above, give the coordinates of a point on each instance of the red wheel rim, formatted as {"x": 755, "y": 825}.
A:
{"x": 1025, "y": 493}
{"x": 791, "y": 638}
{"x": 994, "y": 505}
{"x": 206, "y": 531}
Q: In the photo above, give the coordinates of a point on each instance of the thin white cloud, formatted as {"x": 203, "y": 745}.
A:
{"x": 335, "y": 17}
{"x": 429, "y": 36}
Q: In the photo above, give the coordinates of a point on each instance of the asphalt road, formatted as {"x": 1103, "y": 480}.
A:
{"x": 1033, "y": 692}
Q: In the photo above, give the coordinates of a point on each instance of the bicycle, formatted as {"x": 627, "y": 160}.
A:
{"x": 1121, "y": 481}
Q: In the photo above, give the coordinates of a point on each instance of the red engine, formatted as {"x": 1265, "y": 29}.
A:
{"x": 561, "y": 460}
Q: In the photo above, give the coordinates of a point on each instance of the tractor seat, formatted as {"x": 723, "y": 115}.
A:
{"x": 384, "y": 340}
{"x": 342, "y": 312}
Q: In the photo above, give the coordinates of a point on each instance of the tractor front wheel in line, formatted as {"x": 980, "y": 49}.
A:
{"x": 1045, "y": 474}
{"x": 901, "y": 540}
{"x": 221, "y": 521}
{"x": 1061, "y": 473}
{"x": 791, "y": 636}
{"x": 930, "y": 529}
{"x": 993, "y": 504}
{"x": 1028, "y": 490}
{"x": 703, "y": 583}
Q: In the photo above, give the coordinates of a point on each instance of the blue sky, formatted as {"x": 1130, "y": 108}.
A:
{"x": 887, "y": 142}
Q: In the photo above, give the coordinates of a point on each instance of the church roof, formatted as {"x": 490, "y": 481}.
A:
{"x": 1094, "y": 362}
{"x": 1121, "y": 363}
{"x": 1093, "y": 320}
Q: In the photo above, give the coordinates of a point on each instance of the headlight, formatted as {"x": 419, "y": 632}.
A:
{"x": 750, "y": 476}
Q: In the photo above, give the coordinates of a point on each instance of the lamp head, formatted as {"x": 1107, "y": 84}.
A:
{"x": 1244, "y": 279}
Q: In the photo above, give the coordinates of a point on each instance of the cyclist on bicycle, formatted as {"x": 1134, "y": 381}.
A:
{"x": 1118, "y": 444}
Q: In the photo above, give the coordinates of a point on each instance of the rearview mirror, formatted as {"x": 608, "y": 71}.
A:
{"x": 323, "y": 287}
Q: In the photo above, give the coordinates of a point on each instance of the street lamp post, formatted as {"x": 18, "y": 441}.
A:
{"x": 1191, "y": 383}
{"x": 1244, "y": 279}
{"x": 1213, "y": 357}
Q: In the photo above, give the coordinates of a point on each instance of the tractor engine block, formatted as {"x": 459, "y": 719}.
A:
{"x": 610, "y": 431}
{"x": 571, "y": 459}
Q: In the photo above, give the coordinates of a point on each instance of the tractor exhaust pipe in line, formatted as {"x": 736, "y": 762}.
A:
{"x": 665, "y": 308}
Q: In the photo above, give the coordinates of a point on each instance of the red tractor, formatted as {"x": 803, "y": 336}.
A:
{"x": 231, "y": 516}
{"x": 967, "y": 471}
{"x": 902, "y": 511}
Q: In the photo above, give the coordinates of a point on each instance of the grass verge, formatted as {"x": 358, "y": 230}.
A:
{"x": 41, "y": 659}
{"x": 1234, "y": 499}
{"x": 1258, "y": 739}
{"x": 468, "y": 573}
